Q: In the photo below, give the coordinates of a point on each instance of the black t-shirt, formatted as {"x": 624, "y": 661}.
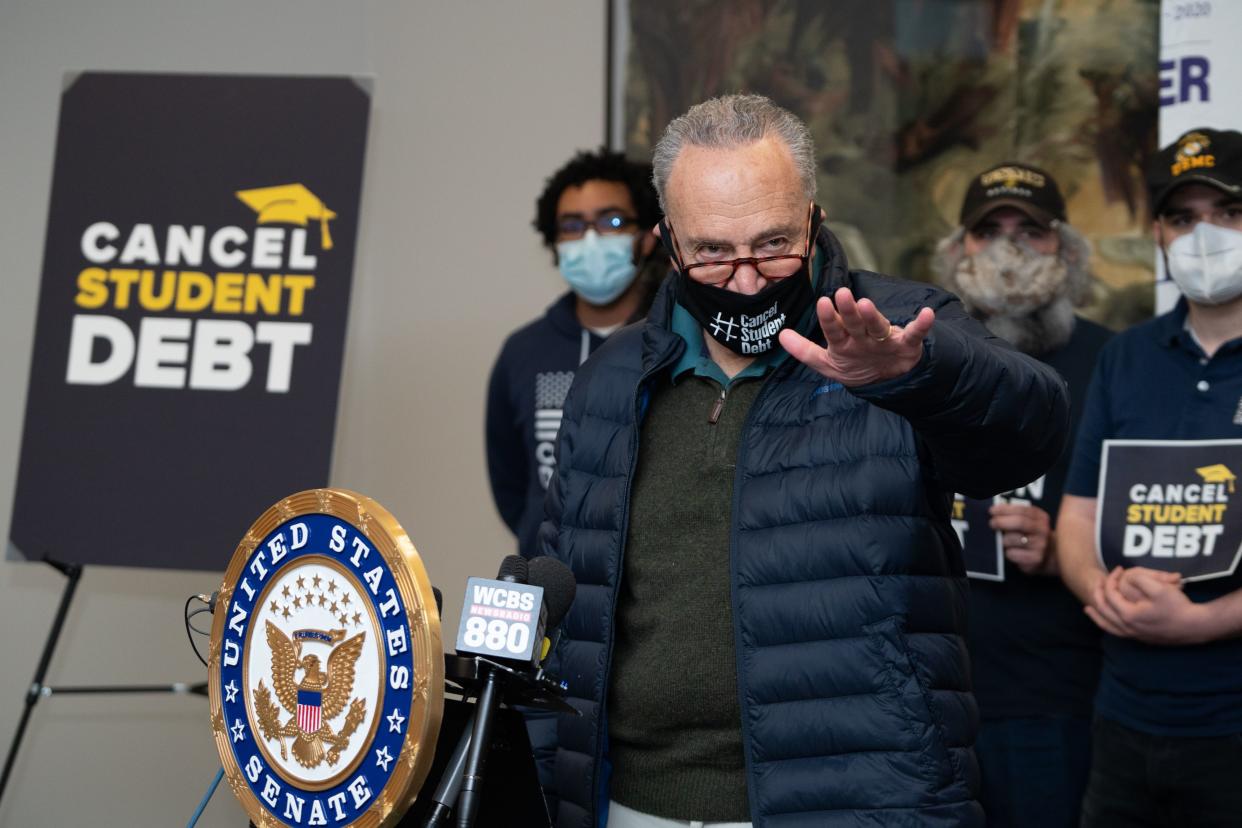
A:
{"x": 1033, "y": 650}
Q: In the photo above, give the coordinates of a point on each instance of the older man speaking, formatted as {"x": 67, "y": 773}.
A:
{"x": 753, "y": 490}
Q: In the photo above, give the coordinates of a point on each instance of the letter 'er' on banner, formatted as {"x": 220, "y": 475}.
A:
{"x": 1168, "y": 505}
{"x": 326, "y": 674}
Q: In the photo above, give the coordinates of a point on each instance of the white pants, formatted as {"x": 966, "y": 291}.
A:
{"x": 620, "y": 816}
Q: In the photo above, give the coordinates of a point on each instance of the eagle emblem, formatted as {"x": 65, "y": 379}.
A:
{"x": 314, "y": 701}
{"x": 1192, "y": 144}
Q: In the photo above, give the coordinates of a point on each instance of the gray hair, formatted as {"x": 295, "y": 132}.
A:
{"x": 733, "y": 121}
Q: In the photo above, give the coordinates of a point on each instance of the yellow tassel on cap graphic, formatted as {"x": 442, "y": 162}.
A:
{"x": 289, "y": 204}
{"x": 1218, "y": 473}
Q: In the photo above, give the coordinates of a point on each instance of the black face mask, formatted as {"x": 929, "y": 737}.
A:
{"x": 747, "y": 325}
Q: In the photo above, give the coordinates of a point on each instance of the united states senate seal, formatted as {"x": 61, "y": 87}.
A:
{"x": 326, "y": 674}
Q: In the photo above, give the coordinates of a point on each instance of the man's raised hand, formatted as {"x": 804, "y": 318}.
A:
{"x": 861, "y": 346}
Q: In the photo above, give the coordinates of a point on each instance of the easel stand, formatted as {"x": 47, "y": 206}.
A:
{"x": 39, "y": 690}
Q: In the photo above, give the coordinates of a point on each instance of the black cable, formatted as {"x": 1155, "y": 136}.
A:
{"x": 188, "y": 627}
{"x": 199, "y": 612}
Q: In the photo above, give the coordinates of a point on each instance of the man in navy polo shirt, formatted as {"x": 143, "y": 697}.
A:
{"x": 1167, "y": 740}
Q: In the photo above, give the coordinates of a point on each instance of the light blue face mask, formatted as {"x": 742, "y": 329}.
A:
{"x": 598, "y": 268}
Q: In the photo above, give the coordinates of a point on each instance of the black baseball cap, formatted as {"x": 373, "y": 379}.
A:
{"x": 1027, "y": 188}
{"x": 1203, "y": 156}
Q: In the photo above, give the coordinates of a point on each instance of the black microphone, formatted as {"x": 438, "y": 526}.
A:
{"x": 461, "y": 782}
{"x": 505, "y": 617}
{"x": 559, "y": 589}
{"x": 559, "y": 586}
{"x": 513, "y": 569}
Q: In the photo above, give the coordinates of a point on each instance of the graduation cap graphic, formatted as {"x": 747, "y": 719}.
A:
{"x": 1218, "y": 473}
{"x": 289, "y": 204}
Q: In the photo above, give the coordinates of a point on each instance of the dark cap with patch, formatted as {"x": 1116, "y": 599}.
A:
{"x": 1026, "y": 188}
{"x": 1201, "y": 156}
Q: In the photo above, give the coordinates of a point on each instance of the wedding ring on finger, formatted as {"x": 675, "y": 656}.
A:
{"x": 887, "y": 334}
{"x": 1023, "y": 540}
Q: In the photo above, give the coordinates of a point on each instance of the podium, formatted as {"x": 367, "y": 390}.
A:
{"x": 332, "y": 697}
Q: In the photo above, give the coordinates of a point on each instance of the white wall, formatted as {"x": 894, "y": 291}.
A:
{"x": 475, "y": 104}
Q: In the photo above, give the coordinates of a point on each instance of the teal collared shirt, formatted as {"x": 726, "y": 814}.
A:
{"x": 697, "y": 359}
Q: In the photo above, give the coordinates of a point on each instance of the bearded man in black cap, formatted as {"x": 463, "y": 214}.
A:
{"x": 1021, "y": 269}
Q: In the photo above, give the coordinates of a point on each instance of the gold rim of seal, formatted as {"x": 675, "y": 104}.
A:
{"x": 427, "y": 696}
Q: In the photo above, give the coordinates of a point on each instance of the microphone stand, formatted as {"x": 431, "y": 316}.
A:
{"x": 476, "y": 761}
{"x": 450, "y": 781}
{"x": 462, "y": 780}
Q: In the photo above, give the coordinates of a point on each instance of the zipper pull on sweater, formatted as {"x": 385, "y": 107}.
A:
{"x": 717, "y": 407}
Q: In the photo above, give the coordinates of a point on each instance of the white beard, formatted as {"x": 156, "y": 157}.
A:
{"x": 1045, "y": 330}
{"x": 1024, "y": 297}
{"x": 1004, "y": 278}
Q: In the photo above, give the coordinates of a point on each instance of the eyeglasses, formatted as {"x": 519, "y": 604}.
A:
{"x": 574, "y": 227}
{"x": 769, "y": 267}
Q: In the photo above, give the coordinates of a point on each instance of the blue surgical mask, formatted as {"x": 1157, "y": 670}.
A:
{"x": 598, "y": 268}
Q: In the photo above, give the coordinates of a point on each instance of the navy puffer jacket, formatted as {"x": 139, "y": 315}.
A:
{"x": 849, "y": 595}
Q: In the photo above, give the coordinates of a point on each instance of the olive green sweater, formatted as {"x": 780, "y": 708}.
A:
{"x": 674, "y": 717}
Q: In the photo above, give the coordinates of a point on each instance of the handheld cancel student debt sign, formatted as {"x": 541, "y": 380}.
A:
{"x": 983, "y": 548}
{"x": 192, "y": 310}
{"x": 1170, "y": 505}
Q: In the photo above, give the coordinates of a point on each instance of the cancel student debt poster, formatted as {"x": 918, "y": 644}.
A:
{"x": 192, "y": 311}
